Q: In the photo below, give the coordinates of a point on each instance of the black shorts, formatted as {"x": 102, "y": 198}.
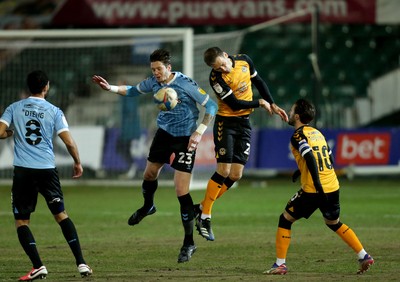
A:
{"x": 304, "y": 204}
{"x": 28, "y": 183}
{"x": 232, "y": 138}
{"x": 164, "y": 145}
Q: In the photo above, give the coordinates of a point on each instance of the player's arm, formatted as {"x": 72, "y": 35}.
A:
{"x": 331, "y": 159}
{"x": 124, "y": 90}
{"x": 313, "y": 169}
{"x": 4, "y": 132}
{"x": 299, "y": 141}
{"x": 237, "y": 104}
{"x": 211, "y": 110}
{"x": 296, "y": 174}
{"x": 121, "y": 90}
{"x": 225, "y": 93}
{"x": 263, "y": 89}
{"x": 73, "y": 151}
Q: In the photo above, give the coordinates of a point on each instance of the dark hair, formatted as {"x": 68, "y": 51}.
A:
{"x": 305, "y": 110}
{"x": 37, "y": 80}
{"x": 211, "y": 54}
{"x": 161, "y": 55}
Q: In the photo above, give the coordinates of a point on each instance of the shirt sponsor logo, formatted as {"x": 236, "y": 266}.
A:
{"x": 201, "y": 90}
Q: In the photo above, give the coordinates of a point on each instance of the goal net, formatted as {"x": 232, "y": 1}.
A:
{"x": 102, "y": 124}
{"x": 114, "y": 136}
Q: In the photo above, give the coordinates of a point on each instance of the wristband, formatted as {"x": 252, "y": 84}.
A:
{"x": 201, "y": 128}
{"x": 113, "y": 88}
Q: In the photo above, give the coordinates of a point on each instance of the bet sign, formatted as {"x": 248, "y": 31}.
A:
{"x": 363, "y": 148}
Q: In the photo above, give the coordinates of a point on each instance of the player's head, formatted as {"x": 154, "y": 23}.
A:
{"x": 160, "y": 64}
{"x": 161, "y": 55}
{"x": 37, "y": 81}
{"x": 218, "y": 60}
{"x": 302, "y": 111}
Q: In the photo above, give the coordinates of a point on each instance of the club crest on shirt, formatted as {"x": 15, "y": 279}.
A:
{"x": 217, "y": 88}
{"x": 244, "y": 69}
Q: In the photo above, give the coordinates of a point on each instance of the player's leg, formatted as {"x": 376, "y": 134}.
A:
{"x": 349, "y": 236}
{"x": 182, "y": 182}
{"x": 235, "y": 174}
{"x": 50, "y": 188}
{"x": 24, "y": 199}
{"x": 28, "y": 243}
{"x": 228, "y": 183}
{"x": 223, "y": 146}
{"x": 183, "y": 163}
{"x": 282, "y": 243}
{"x": 214, "y": 187}
{"x": 160, "y": 152}
{"x": 300, "y": 205}
{"x": 351, "y": 239}
{"x": 224, "y": 142}
{"x": 331, "y": 214}
{"x": 203, "y": 219}
{"x": 215, "y": 190}
{"x": 71, "y": 236}
{"x": 240, "y": 154}
{"x": 149, "y": 187}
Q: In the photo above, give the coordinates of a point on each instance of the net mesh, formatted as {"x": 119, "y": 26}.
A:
{"x": 71, "y": 61}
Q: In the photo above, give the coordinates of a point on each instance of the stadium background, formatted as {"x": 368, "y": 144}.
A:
{"x": 357, "y": 46}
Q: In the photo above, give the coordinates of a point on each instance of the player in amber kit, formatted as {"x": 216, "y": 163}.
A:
{"x": 231, "y": 78}
{"x": 319, "y": 189}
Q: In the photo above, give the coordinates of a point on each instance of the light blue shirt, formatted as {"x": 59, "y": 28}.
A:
{"x": 35, "y": 121}
{"x": 181, "y": 121}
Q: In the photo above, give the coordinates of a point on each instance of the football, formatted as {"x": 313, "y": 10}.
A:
{"x": 166, "y": 99}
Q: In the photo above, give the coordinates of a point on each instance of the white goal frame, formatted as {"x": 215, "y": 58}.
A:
{"x": 185, "y": 33}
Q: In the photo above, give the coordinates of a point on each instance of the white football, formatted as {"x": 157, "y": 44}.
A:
{"x": 166, "y": 99}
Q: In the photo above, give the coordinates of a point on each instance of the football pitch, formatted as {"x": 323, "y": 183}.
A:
{"x": 244, "y": 223}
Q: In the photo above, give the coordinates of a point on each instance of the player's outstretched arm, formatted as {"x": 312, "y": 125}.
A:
{"x": 103, "y": 83}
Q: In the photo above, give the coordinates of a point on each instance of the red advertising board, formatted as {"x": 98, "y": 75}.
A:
{"x": 363, "y": 148}
{"x": 211, "y": 12}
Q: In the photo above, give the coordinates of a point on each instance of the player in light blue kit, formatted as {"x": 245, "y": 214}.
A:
{"x": 177, "y": 133}
{"x": 35, "y": 121}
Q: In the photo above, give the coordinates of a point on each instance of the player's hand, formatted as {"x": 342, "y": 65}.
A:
{"x": 267, "y": 106}
{"x": 194, "y": 141}
{"x": 277, "y": 110}
{"x": 9, "y": 132}
{"x": 101, "y": 82}
{"x": 78, "y": 171}
{"x": 296, "y": 175}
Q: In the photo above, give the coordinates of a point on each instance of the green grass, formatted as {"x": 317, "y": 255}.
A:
{"x": 244, "y": 223}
